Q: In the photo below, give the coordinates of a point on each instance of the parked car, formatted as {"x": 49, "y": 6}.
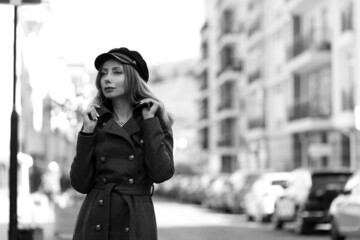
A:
{"x": 204, "y": 182}
{"x": 259, "y": 201}
{"x": 345, "y": 211}
{"x": 241, "y": 181}
{"x": 307, "y": 198}
{"x": 215, "y": 196}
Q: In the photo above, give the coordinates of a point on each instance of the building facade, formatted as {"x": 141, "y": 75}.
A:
{"x": 289, "y": 98}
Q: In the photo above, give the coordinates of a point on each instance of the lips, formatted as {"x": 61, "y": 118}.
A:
{"x": 108, "y": 88}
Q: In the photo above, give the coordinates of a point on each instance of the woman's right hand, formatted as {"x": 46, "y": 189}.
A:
{"x": 90, "y": 118}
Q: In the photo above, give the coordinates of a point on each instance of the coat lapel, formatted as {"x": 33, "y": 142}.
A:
{"x": 131, "y": 127}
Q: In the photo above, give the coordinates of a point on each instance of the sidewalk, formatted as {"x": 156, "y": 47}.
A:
{"x": 48, "y": 231}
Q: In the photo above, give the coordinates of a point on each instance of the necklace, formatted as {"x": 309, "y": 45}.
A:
{"x": 120, "y": 123}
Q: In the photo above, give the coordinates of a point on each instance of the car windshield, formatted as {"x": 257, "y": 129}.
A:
{"x": 281, "y": 183}
{"x": 330, "y": 181}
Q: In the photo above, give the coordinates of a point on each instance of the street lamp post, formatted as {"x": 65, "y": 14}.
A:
{"x": 14, "y": 146}
{"x": 13, "y": 231}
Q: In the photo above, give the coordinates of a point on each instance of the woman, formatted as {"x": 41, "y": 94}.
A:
{"x": 123, "y": 148}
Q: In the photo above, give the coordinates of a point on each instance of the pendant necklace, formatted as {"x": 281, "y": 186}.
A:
{"x": 120, "y": 123}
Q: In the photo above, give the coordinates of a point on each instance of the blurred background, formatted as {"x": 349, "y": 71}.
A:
{"x": 255, "y": 86}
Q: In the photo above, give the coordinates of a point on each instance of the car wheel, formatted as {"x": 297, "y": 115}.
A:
{"x": 334, "y": 232}
{"x": 277, "y": 223}
{"x": 249, "y": 218}
{"x": 301, "y": 226}
{"x": 266, "y": 218}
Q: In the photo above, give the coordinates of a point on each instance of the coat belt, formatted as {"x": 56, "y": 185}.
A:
{"x": 126, "y": 191}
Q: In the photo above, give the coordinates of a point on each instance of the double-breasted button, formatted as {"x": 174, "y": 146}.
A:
{"x": 126, "y": 229}
{"x": 131, "y": 157}
{"x": 141, "y": 141}
{"x": 98, "y": 227}
{"x": 104, "y": 180}
{"x": 101, "y": 202}
{"x": 131, "y": 181}
{"x": 104, "y": 123}
{"x": 103, "y": 159}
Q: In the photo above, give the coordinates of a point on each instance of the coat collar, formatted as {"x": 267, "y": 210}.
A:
{"x": 109, "y": 125}
{"x": 103, "y": 110}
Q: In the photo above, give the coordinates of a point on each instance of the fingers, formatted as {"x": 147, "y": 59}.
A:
{"x": 152, "y": 108}
{"x": 91, "y": 112}
{"x": 151, "y": 101}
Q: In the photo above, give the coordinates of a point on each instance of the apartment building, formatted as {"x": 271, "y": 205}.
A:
{"x": 294, "y": 93}
{"x": 221, "y": 81}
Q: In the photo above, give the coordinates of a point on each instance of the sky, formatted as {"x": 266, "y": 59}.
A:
{"x": 161, "y": 30}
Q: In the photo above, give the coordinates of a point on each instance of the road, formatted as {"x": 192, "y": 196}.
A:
{"x": 179, "y": 221}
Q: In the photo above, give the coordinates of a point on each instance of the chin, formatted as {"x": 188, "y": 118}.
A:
{"x": 112, "y": 95}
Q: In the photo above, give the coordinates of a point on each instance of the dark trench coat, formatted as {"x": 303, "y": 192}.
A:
{"x": 116, "y": 167}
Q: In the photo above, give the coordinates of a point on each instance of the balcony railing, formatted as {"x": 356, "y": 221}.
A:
{"x": 256, "y": 123}
{"x": 231, "y": 64}
{"x": 226, "y": 105}
{"x": 227, "y": 138}
{"x": 204, "y": 136}
{"x": 227, "y": 98}
{"x": 309, "y": 109}
{"x": 313, "y": 40}
{"x": 253, "y": 76}
{"x": 204, "y": 110}
{"x": 254, "y": 27}
{"x": 226, "y": 142}
{"x": 227, "y": 133}
{"x": 204, "y": 80}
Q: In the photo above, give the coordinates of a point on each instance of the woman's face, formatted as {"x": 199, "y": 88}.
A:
{"x": 112, "y": 80}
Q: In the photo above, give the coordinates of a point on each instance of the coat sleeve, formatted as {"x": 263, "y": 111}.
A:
{"x": 82, "y": 170}
{"x": 158, "y": 143}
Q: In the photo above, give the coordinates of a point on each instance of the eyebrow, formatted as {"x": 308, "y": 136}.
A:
{"x": 114, "y": 68}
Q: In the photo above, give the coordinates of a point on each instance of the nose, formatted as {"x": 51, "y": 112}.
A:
{"x": 107, "y": 81}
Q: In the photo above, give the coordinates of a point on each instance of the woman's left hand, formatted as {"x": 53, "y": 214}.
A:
{"x": 149, "y": 112}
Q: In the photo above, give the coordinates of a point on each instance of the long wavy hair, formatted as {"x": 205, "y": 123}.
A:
{"x": 136, "y": 89}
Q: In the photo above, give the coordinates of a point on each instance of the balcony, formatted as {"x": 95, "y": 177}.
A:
{"x": 229, "y": 61}
{"x": 256, "y": 123}
{"x": 254, "y": 76}
{"x": 204, "y": 111}
{"x": 309, "y": 109}
{"x": 236, "y": 66}
{"x": 226, "y": 105}
{"x": 309, "y": 51}
{"x": 204, "y": 80}
{"x": 227, "y": 97}
{"x": 227, "y": 133}
{"x": 204, "y": 138}
{"x": 254, "y": 27}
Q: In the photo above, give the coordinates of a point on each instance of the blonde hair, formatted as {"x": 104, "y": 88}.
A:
{"x": 136, "y": 89}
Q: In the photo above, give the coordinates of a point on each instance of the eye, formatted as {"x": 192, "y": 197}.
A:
{"x": 102, "y": 73}
{"x": 118, "y": 72}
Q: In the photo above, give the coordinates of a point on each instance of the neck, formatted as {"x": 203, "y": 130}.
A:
{"x": 122, "y": 109}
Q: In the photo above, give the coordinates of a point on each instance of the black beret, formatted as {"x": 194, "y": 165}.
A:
{"x": 125, "y": 56}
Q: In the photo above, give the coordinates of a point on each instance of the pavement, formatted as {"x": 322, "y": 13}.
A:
{"x": 176, "y": 221}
